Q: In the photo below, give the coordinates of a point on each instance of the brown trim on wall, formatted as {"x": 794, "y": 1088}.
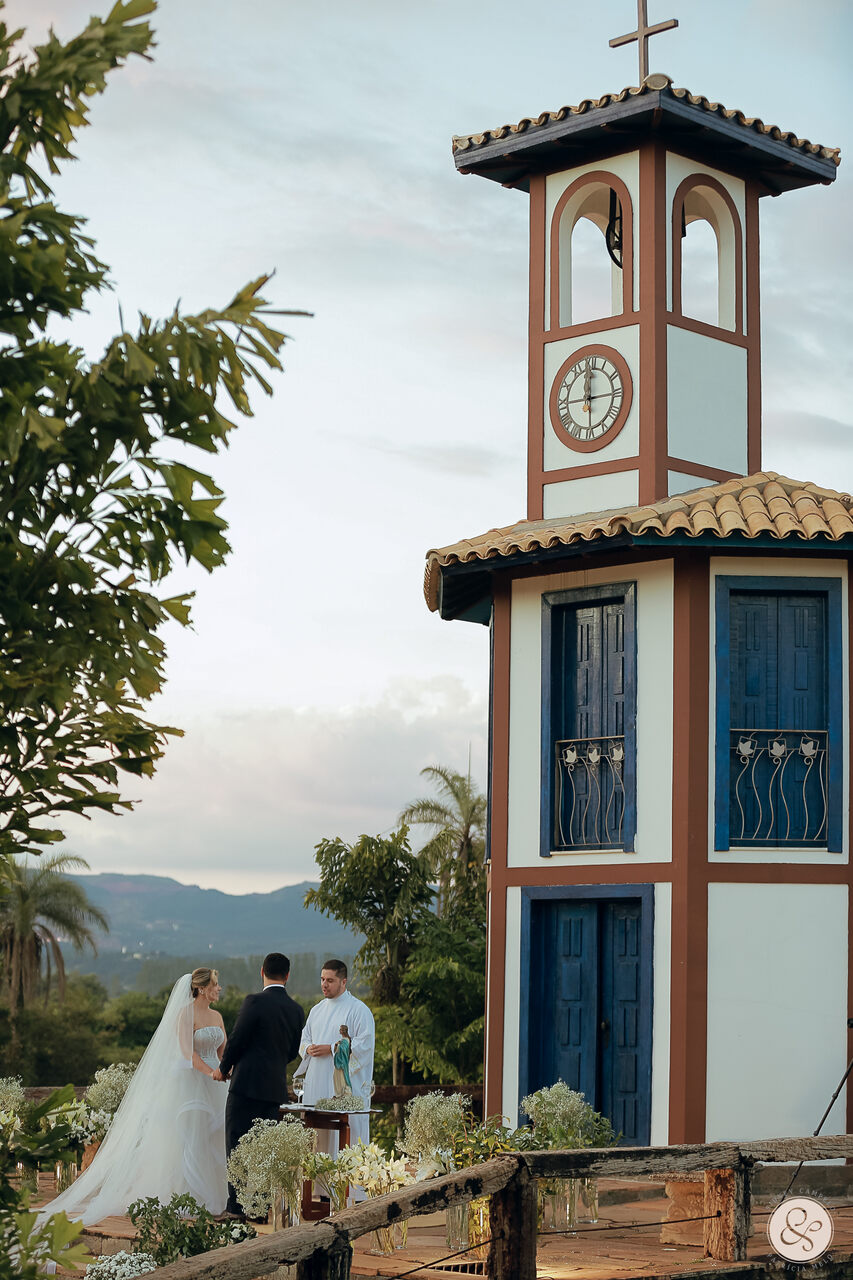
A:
{"x": 753, "y": 329}
{"x": 563, "y": 870}
{"x": 536, "y": 350}
{"x": 688, "y": 184}
{"x": 590, "y": 469}
{"x": 708, "y": 330}
{"x": 592, "y": 326}
{"x": 600, "y": 177}
{"x": 699, "y": 469}
{"x": 652, "y": 399}
{"x": 498, "y": 827}
{"x": 689, "y": 977}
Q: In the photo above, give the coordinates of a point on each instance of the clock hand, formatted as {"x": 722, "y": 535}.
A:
{"x": 587, "y": 382}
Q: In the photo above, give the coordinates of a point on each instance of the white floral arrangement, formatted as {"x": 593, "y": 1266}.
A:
{"x": 86, "y": 1124}
{"x": 345, "y": 1101}
{"x": 269, "y": 1160}
{"x": 433, "y": 1122}
{"x": 108, "y": 1088}
{"x": 120, "y": 1266}
{"x": 12, "y": 1096}
{"x": 378, "y": 1173}
{"x": 335, "y": 1173}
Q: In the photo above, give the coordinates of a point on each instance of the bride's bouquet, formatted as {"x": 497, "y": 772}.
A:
{"x": 268, "y": 1162}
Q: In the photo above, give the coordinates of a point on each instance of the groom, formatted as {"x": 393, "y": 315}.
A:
{"x": 264, "y": 1040}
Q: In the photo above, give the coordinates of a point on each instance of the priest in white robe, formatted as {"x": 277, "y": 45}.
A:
{"x": 321, "y": 1033}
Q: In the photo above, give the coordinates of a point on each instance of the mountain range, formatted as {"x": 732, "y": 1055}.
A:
{"x": 149, "y": 914}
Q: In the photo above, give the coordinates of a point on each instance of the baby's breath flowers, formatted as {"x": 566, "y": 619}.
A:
{"x": 109, "y": 1087}
{"x": 120, "y": 1266}
{"x": 12, "y": 1104}
{"x": 433, "y": 1123}
{"x": 345, "y": 1101}
{"x": 12, "y": 1096}
{"x": 267, "y": 1160}
{"x": 562, "y": 1118}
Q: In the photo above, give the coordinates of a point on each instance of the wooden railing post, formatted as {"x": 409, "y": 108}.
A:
{"x": 727, "y": 1197}
{"x": 513, "y": 1228}
{"x": 332, "y": 1264}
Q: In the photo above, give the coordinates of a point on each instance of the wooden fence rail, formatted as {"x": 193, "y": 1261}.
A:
{"x": 322, "y": 1251}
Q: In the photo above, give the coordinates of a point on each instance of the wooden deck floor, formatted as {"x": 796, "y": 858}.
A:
{"x": 624, "y": 1244}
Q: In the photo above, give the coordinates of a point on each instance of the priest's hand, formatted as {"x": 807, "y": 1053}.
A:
{"x": 319, "y": 1050}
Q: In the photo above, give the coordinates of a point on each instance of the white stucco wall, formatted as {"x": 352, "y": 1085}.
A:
{"x": 592, "y": 493}
{"x": 765, "y": 567}
{"x": 512, "y": 1004}
{"x": 678, "y": 482}
{"x": 706, "y": 400}
{"x": 777, "y": 1009}
{"x": 654, "y": 710}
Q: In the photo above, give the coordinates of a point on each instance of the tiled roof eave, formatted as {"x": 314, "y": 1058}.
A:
{"x": 602, "y": 542}
{"x": 475, "y": 152}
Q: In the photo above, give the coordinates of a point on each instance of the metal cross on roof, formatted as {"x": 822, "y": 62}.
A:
{"x": 642, "y": 34}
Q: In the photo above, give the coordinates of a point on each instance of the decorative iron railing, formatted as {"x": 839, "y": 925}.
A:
{"x": 589, "y": 793}
{"x": 778, "y": 790}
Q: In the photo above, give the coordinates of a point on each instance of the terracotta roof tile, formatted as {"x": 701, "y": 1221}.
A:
{"x": 470, "y": 142}
{"x": 765, "y": 503}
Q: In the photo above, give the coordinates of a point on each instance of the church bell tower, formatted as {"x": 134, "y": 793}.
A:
{"x": 642, "y": 400}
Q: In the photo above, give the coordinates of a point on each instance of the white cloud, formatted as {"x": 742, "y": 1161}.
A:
{"x": 243, "y": 798}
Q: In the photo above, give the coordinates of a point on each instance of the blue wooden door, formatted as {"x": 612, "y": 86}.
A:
{"x": 590, "y": 1007}
{"x": 621, "y": 1042}
{"x": 779, "y": 717}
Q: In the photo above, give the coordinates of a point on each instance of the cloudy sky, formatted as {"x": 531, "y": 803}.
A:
{"x": 313, "y": 140}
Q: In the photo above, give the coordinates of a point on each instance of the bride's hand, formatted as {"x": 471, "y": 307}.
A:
{"x": 217, "y": 1075}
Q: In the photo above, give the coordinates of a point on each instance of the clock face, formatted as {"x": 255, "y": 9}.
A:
{"x": 590, "y": 398}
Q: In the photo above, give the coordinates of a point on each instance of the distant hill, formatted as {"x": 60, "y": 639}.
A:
{"x": 150, "y": 914}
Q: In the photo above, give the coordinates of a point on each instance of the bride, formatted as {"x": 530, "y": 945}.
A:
{"x": 168, "y": 1135}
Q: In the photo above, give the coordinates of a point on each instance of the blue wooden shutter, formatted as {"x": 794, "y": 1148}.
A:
{"x": 778, "y": 719}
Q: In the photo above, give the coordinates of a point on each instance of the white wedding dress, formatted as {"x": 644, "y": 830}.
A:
{"x": 168, "y": 1135}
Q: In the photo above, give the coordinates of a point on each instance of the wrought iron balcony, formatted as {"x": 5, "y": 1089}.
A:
{"x": 778, "y": 787}
{"x": 589, "y": 793}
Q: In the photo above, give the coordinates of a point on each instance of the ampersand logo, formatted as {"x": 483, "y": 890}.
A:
{"x": 800, "y": 1229}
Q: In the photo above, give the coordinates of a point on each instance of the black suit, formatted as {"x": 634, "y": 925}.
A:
{"x": 264, "y": 1040}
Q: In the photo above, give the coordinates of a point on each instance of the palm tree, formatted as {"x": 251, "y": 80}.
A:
{"x": 455, "y": 851}
{"x": 39, "y": 906}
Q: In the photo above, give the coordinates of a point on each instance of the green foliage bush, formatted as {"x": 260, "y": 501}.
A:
{"x": 181, "y": 1229}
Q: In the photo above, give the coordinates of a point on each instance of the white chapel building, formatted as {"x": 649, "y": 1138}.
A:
{"x": 670, "y": 754}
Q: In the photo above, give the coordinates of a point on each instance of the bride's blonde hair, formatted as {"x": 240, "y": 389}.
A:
{"x": 202, "y": 977}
